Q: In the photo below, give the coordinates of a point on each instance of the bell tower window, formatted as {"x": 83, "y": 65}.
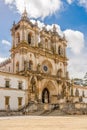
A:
{"x": 29, "y": 38}
{"x": 24, "y": 65}
{"x": 18, "y": 37}
{"x": 59, "y": 50}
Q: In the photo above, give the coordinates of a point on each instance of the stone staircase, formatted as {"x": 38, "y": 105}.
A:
{"x": 37, "y": 109}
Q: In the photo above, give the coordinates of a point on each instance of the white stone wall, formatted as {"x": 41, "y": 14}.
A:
{"x": 81, "y": 89}
{"x": 12, "y": 92}
{"x": 13, "y": 98}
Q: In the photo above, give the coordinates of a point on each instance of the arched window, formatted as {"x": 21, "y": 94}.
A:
{"x": 29, "y": 38}
{"x": 17, "y": 67}
{"x": 25, "y": 65}
{"x": 18, "y": 37}
{"x": 46, "y": 43}
{"x": 30, "y": 65}
{"x": 60, "y": 73}
{"x": 60, "y": 50}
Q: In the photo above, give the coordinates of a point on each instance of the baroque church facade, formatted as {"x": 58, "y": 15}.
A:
{"x": 37, "y": 69}
{"x": 40, "y": 56}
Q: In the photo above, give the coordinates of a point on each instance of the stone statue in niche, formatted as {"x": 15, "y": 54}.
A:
{"x": 33, "y": 85}
{"x": 63, "y": 90}
{"x": 62, "y": 94}
{"x": 38, "y": 68}
{"x": 25, "y": 65}
{"x": 46, "y": 97}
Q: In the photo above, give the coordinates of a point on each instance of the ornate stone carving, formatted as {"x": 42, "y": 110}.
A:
{"x": 63, "y": 93}
{"x": 59, "y": 82}
{"x": 33, "y": 85}
{"x": 38, "y": 68}
{"x": 39, "y": 77}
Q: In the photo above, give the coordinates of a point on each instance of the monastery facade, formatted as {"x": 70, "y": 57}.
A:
{"x": 37, "y": 69}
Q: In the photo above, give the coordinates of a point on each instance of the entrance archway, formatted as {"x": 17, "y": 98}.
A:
{"x": 45, "y": 96}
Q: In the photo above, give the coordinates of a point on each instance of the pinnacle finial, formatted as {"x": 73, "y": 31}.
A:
{"x": 24, "y": 14}
{"x": 36, "y": 24}
{"x": 54, "y": 28}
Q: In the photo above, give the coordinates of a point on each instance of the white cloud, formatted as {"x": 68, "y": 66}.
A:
{"x": 36, "y": 8}
{"x": 58, "y": 29}
{"x": 77, "y": 53}
{"x": 49, "y": 27}
{"x": 6, "y": 42}
{"x": 70, "y": 1}
{"x": 75, "y": 40}
{"x": 40, "y": 24}
{"x": 41, "y": 8}
{"x": 83, "y": 3}
{"x": 9, "y": 1}
{"x": 2, "y": 59}
{"x": 78, "y": 65}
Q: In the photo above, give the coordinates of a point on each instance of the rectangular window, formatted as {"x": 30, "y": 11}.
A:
{"x": 19, "y": 101}
{"x": 7, "y": 101}
{"x": 20, "y": 85}
{"x": 7, "y": 84}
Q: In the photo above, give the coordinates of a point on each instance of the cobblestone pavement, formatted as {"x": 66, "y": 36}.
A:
{"x": 44, "y": 123}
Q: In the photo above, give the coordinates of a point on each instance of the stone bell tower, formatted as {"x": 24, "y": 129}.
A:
{"x": 24, "y": 34}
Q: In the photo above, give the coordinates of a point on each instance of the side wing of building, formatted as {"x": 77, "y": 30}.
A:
{"x": 13, "y": 91}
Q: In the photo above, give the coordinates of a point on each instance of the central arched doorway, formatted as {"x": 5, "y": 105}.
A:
{"x": 45, "y": 96}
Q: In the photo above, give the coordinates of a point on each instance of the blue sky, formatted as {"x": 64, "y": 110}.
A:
{"x": 69, "y": 15}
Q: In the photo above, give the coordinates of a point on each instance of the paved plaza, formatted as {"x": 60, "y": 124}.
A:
{"x": 44, "y": 123}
